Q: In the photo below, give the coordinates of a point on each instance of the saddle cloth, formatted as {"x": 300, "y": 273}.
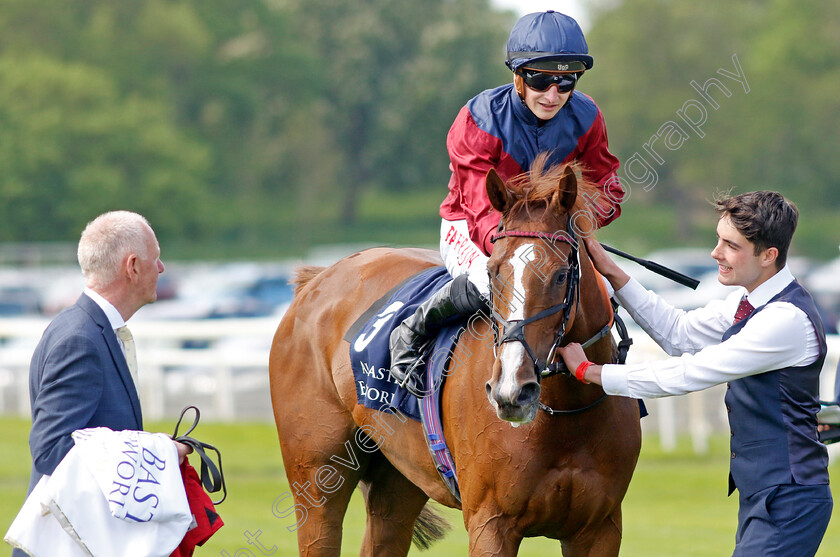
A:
{"x": 370, "y": 355}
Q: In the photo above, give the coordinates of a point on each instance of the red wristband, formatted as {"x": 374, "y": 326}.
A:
{"x": 581, "y": 370}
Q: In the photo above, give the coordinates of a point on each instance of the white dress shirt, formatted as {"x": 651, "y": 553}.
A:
{"x": 779, "y": 336}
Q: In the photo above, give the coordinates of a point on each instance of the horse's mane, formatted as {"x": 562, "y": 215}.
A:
{"x": 303, "y": 274}
{"x": 535, "y": 189}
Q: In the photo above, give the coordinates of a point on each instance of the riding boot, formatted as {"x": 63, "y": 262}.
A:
{"x": 411, "y": 338}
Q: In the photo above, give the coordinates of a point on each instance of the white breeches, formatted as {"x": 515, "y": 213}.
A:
{"x": 461, "y": 255}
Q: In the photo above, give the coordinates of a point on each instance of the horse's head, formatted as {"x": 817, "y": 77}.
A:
{"x": 534, "y": 277}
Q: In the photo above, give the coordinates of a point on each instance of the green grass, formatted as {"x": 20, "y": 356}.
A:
{"x": 676, "y": 505}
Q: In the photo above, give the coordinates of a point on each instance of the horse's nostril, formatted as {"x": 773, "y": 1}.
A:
{"x": 528, "y": 394}
{"x": 489, "y": 389}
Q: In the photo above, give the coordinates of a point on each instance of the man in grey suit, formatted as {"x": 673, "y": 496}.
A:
{"x": 80, "y": 375}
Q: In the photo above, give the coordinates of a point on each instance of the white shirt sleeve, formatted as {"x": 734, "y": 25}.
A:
{"x": 677, "y": 331}
{"x": 778, "y": 336}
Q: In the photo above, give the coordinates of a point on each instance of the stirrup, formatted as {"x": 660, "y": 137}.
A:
{"x": 411, "y": 372}
{"x": 411, "y": 383}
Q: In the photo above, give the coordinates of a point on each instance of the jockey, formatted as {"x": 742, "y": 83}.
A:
{"x": 506, "y": 128}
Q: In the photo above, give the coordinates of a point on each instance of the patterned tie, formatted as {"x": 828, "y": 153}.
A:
{"x": 130, "y": 351}
{"x": 744, "y": 309}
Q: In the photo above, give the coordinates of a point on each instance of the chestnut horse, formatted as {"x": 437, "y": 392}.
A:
{"x": 561, "y": 473}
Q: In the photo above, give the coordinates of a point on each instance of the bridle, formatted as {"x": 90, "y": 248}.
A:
{"x": 514, "y": 330}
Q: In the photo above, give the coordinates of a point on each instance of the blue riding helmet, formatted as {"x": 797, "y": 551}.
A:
{"x": 548, "y": 41}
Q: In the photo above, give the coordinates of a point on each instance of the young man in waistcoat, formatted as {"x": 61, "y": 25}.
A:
{"x": 766, "y": 342}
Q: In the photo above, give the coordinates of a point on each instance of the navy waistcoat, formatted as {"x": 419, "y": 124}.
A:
{"x": 772, "y": 416}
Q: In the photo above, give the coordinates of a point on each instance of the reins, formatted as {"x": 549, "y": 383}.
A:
{"x": 212, "y": 476}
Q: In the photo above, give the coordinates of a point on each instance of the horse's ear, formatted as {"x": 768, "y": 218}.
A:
{"x": 566, "y": 190}
{"x": 496, "y": 191}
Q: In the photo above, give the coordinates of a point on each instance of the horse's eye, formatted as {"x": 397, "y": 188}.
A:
{"x": 560, "y": 276}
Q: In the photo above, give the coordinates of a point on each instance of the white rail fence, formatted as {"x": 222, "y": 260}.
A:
{"x": 225, "y": 372}
{"x": 702, "y": 413}
{"x": 226, "y": 375}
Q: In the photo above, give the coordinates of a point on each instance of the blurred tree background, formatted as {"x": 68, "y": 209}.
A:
{"x": 258, "y": 128}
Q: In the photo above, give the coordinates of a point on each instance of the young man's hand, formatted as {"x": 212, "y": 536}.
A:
{"x": 604, "y": 263}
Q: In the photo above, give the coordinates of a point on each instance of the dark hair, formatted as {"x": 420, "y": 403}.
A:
{"x": 765, "y": 218}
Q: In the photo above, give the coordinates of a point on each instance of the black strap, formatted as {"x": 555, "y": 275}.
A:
{"x": 554, "y": 412}
{"x": 559, "y": 366}
{"x": 516, "y": 332}
{"x": 625, "y": 342}
{"x": 212, "y": 476}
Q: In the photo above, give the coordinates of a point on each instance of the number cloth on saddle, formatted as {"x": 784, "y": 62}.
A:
{"x": 369, "y": 352}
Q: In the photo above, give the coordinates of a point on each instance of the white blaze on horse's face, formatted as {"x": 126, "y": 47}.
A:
{"x": 512, "y": 353}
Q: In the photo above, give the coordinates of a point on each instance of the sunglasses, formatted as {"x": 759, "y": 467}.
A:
{"x": 541, "y": 81}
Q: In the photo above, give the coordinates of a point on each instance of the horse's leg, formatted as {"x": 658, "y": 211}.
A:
{"x": 323, "y": 466}
{"x": 393, "y": 504}
{"x": 492, "y": 534}
{"x": 315, "y": 485}
{"x": 598, "y": 540}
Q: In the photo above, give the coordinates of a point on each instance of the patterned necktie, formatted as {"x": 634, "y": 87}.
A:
{"x": 130, "y": 351}
{"x": 744, "y": 309}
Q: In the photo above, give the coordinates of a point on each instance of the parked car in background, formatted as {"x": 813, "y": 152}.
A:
{"x": 824, "y": 284}
{"x": 260, "y": 298}
{"x": 228, "y": 290}
{"x": 16, "y": 301}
